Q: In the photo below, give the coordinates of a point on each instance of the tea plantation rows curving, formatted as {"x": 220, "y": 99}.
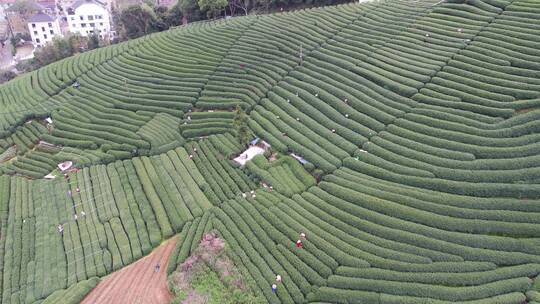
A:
{"x": 416, "y": 123}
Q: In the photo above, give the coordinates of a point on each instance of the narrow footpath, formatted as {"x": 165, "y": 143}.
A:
{"x": 138, "y": 283}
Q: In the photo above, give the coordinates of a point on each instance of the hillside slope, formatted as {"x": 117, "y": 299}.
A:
{"x": 421, "y": 118}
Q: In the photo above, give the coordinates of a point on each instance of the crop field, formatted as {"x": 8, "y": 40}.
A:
{"x": 417, "y": 124}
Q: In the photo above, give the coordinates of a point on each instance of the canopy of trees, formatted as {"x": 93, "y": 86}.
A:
{"x": 139, "y": 20}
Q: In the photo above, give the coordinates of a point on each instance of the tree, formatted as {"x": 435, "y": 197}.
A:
{"x": 77, "y": 42}
{"x": 62, "y": 48}
{"x": 160, "y": 22}
{"x": 58, "y": 49}
{"x": 190, "y": 10}
{"x": 93, "y": 42}
{"x": 6, "y": 76}
{"x": 173, "y": 17}
{"x": 44, "y": 56}
{"x": 213, "y": 8}
{"x": 137, "y": 20}
{"x": 241, "y": 4}
{"x": 116, "y": 20}
{"x": 240, "y": 124}
{"x": 264, "y": 4}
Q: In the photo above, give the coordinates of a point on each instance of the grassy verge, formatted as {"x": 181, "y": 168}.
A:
{"x": 209, "y": 276}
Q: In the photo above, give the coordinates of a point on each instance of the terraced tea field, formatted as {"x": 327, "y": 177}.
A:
{"x": 417, "y": 123}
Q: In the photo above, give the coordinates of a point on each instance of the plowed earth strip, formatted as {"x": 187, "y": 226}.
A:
{"x": 137, "y": 283}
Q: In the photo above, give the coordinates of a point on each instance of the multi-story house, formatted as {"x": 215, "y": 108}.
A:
{"x": 43, "y": 28}
{"x": 89, "y": 17}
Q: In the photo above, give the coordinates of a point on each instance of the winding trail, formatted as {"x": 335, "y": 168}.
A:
{"x": 137, "y": 283}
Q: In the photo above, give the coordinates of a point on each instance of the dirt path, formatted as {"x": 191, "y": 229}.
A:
{"x": 137, "y": 283}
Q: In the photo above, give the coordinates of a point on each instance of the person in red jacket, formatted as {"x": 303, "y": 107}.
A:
{"x": 299, "y": 244}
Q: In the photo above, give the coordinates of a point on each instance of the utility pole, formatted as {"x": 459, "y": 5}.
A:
{"x": 9, "y": 25}
{"x": 301, "y": 55}
{"x": 126, "y": 87}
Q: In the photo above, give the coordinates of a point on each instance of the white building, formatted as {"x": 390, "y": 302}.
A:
{"x": 43, "y": 28}
{"x": 89, "y": 17}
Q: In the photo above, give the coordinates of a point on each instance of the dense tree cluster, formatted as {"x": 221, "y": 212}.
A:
{"x": 139, "y": 20}
{"x": 60, "y": 48}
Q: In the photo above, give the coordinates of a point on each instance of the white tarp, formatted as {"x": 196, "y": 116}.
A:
{"x": 65, "y": 165}
{"x": 50, "y": 176}
{"x": 42, "y": 142}
{"x": 247, "y": 155}
{"x": 299, "y": 158}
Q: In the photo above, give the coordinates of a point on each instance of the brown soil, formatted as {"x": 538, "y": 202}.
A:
{"x": 273, "y": 157}
{"x": 523, "y": 111}
{"x": 137, "y": 283}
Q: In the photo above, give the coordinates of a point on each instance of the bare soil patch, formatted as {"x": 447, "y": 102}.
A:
{"x": 138, "y": 283}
